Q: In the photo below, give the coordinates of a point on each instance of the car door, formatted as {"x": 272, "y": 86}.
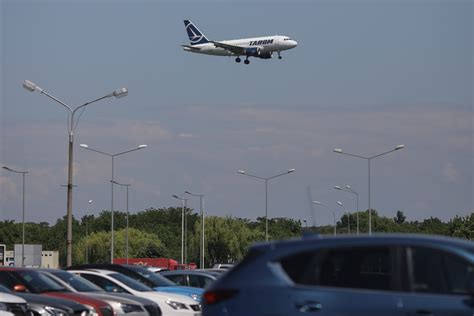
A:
{"x": 355, "y": 281}
{"x": 437, "y": 283}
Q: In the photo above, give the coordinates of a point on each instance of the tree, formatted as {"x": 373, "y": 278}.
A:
{"x": 400, "y": 218}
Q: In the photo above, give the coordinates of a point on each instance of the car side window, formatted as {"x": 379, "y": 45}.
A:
{"x": 7, "y": 280}
{"x": 447, "y": 274}
{"x": 355, "y": 267}
{"x": 104, "y": 283}
{"x": 196, "y": 281}
{"x": 178, "y": 279}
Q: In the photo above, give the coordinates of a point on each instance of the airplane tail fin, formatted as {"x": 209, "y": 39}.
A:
{"x": 195, "y": 36}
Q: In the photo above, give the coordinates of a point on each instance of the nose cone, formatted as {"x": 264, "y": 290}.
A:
{"x": 292, "y": 43}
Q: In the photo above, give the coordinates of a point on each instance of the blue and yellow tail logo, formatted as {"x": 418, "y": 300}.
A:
{"x": 195, "y": 36}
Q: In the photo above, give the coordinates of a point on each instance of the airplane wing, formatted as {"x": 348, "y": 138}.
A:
{"x": 191, "y": 48}
{"x": 238, "y": 50}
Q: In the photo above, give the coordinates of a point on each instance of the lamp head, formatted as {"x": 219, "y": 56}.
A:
{"x": 120, "y": 93}
{"x": 187, "y": 192}
{"x": 337, "y": 187}
{"x": 348, "y": 187}
{"x": 339, "y": 203}
{"x": 30, "y": 86}
{"x": 176, "y": 197}
{"x": 291, "y": 170}
{"x": 90, "y": 201}
{"x": 317, "y": 202}
{"x": 6, "y": 168}
{"x": 142, "y": 146}
{"x": 84, "y": 146}
{"x": 399, "y": 147}
{"x": 337, "y": 150}
{"x": 241, "y": 171}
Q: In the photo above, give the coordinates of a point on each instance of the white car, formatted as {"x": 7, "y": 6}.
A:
{"x": 13, "y": 305}
{"x": 123, "y": 305}
{"x": 170, "y": 304}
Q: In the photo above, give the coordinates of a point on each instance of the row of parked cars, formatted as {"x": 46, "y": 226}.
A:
{"x": 95, "y": 290}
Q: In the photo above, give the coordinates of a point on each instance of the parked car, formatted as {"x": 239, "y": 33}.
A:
{"x": 226, "y": 266}
{"x": 389, "y": 275}
{"x": 122, "y": 304}
{"x": 13, "y": 305}
{"x": 24, "y": 280}
{"x": 194, "y": 278}
{"x": 170, "y": 304}
{"x": 145, "y": 276}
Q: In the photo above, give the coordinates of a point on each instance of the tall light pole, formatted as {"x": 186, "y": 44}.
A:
{"x": 348, "y": 221}
{"x": 72, "y": 125}
{"x": 348, "y": 188}
{"x": 201, "y": 201}
{"x": 23, "y": 173}
{"x": 112, "y": 190}
{"x": 184, "y": 202}
{"x": 266, "y": 192}
{"x": 339, "y": 151}
{"x": 332, "y": 212}
{"x": 126, "y": 228}
{"x": 87, "y": 232}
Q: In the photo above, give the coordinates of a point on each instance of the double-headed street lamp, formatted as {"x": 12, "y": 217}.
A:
{"x": 348, "y": 188}
{"x": 112, "y": 190}
{"x": 184, "y": 202}
{"x": 72, "y": 125}
{"x": 201, "y": 201}
{"x": 126, "y": 229}
{"x": 23, "y": 173}
{"x": 266, "y": 192}
{"x": 339, "y": 151}
{"x": 333, "y": 214}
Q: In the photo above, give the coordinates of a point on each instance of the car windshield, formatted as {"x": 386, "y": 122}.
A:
{"x": 131, "y": 283}
{"x": 155, "y": 279}
{"x": 78, "y": 283}
{"x": 38, "y": 282}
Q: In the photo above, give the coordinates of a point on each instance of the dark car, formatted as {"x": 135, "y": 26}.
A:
{"x": 23, "y": 280}
{"x": 42, "y": 305}
{"x": 145, "y": 276}
{"x": 379, "y": 275}
{"x": 195, "y": 278}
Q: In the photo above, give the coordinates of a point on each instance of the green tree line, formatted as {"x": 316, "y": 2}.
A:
{"x": 156, "y": 233}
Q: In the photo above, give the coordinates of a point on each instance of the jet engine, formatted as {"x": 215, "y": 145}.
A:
{"x": 253, "y": 51}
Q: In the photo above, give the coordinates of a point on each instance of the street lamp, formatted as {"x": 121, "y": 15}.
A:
{"x": 23, "y": 173}
{"x": 348, "y": 188}
{"x": 112, "y": 189}
{"x": 184, "y": 202}
{"x": 348, "y": 221}
{"x": 201, "y": 201}
{"x": 266, "y": 192}
{"x": 72, "y": 125}
{"x": 87, "y": 232}
{"x": 339, "y": 151}
{"x": 126, "y": 229}
{"x": 333, "y": 214}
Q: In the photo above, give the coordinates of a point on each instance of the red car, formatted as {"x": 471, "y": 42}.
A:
{"x": 33, "y": 281}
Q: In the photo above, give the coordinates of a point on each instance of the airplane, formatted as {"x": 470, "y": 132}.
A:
{"x": 260, "y": 47}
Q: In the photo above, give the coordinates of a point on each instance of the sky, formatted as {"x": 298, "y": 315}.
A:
{"x": 366, "y": 76}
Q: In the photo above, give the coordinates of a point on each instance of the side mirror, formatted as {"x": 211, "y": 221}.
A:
{"x": 19, "y": 288}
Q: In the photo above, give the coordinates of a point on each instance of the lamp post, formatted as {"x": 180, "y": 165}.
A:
{"x": 126, "y": 228}
{"x": 201, "y": 201}
{"x": 348, "y": 188}
{"x": 23, "y": 173}
{"x": 87, "y": 232}
{"x": 266, "y": 192}
{"x": 340, "y": 151}
{"x": 112, "y": 156}
{"x": 348, "y": 220}
{"x": 184, "y": 202}
{"x": 72, "y": 125}
{"x": 333, "y": 214}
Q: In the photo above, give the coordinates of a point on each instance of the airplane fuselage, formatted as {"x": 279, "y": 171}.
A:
{"x": 265, "y": 44}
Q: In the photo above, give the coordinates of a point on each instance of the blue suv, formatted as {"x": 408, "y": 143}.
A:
{"x": 379, "y": 275}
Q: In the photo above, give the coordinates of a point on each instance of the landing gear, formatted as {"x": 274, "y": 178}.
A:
{"x": 279, "y": 56}
{"x": 237, "y": 60}
{"x": 247, "y": 61}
